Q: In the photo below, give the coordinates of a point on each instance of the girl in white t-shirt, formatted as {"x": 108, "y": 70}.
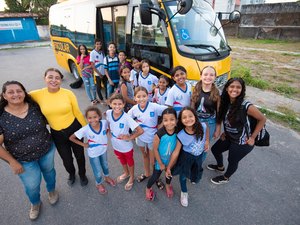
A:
{"x": 161, "y": 92}
{"x": 146, "y": 79}
{"x": 146, "y": 114}
{"x": 96, "y": 134}
{"x": 179, "y": 95}
{"x": 119, "y": 124}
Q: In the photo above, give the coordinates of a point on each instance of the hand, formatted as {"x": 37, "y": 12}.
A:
{"x": 16, "y": 167}
{"x": 111, "y": 83}
{"x": 162, "y": 167}
{"x": 250, "y": 141}
{"x": 168, "y": 173}
{"x": 216, "y": 134}
{"x": 125, "y": 137}
{"x": 82, "y": 56}
{"x": 85, "y": 145}
{"x": 223, "y": 137}
{"x": 206, "y": 146}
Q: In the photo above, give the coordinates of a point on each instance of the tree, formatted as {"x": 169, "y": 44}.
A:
{"x": 40, "y": 7}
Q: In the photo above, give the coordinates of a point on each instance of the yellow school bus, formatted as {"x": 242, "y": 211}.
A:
{"x": 167, "y": 33}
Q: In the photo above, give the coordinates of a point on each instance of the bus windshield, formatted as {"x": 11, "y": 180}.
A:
{"x": 198, "y": 32}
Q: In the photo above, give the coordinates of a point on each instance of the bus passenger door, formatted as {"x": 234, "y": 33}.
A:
{"x": 111, "y": 25}
{"x": 149, "y": 42}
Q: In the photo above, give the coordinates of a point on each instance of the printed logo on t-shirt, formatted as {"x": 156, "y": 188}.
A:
{"x": 165, "y": 98}
{"x": 149, "y": 82}
{"x": 121, "y": 125}
{"x": 151, "y": 114}
{"x": 91, "y": 136}
{"x": 178, "y": 98}
{"x": 97, "y": 56}
{"x": 104, "y": 132}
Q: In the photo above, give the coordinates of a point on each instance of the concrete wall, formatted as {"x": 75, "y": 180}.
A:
{"x": 43, "y": 32}
{"x": 279, "y": 21}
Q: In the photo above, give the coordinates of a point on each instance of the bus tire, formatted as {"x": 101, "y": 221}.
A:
{"x": 74, "y": 70}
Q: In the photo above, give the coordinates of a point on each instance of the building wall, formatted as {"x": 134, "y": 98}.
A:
{"x": 18, "y": 30}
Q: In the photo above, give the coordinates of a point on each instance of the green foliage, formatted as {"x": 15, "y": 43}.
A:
{"x": 285, "y": 89}
{"x": 288, "y": 118}
{"x": 40, "y": 7}
{"x": 245, "y": 73}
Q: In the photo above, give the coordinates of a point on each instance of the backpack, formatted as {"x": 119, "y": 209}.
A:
{"x": 263, "y": 137}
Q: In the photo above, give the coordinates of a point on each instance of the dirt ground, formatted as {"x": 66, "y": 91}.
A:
{"x": 276, "y": 62}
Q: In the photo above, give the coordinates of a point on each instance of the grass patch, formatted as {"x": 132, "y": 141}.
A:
{"x": 245, "y": 73}
{"x": 285, "y": 89}
{"x": 289, "y": 118}
{"x": 291, "y": 54}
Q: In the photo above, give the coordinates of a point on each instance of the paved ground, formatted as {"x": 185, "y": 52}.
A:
{"x": 264, "y": 191}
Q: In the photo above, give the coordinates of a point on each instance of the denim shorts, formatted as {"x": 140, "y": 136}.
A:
{"x": 144, "y": 144}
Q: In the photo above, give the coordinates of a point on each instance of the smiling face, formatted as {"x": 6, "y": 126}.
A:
{"x": 117, "y": 106}
{"x": 122, "y": 57}
{"x": 112, "y": 49}
{"x": 234, "y": 90}
{"x": 14, "y": 94}
{"x": 93, "y": 118}
{"x": 126, "y": 74}
{"x": 98, "y": 45}
{"x": 162, "y": 84}
{"x": 136, "y": 64}
{"x": 141, "y": 97}
{"x": 82, "y": 50}
{"x": 180, "y": 78}
{"x": 208, "y": 76}
{"x": 53, "y": 81}
{"x": 188, "y": 118}
{"x": 169, "y": 122}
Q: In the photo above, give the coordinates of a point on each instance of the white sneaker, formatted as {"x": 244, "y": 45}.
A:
{"x": 34, "y": 211}
{"x": 184, "y": 199}
{"x": 53, "y": 197}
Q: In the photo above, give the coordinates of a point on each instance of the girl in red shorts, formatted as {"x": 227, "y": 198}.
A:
{"x": 119, "y": 124}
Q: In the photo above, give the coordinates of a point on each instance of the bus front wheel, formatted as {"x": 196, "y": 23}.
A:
{"x": 74, "y": 70}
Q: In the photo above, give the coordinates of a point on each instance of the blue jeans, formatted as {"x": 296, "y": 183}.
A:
{"x": 31, "y": 177}
{"x": 98, "y": 163}
{"x": 90, "y": 87}
{"x": 110, "y": 89}
{"x": 211, "y": 122}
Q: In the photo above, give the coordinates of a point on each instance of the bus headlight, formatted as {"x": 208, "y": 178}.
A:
{"x": 221, "y": 81}
{"x": 192, "y": 83}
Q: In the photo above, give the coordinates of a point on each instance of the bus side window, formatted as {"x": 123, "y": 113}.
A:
{"x": 120, "y": 13}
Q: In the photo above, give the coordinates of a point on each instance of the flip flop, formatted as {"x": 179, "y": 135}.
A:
{"x": 128, "y": 186}
{"x": 150, "y": 195}
{"x": 101, "y": 189}
{"x": 120, "y": 179}
{"x": 160, "y": 185}
{"x": 141, "y": 178}
{"x": 111, "y": 182}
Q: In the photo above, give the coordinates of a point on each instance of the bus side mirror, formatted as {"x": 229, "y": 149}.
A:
{"x": 146, "y": 12}
{"x": 183, "y": 6}
{"x": 234, "y": 16}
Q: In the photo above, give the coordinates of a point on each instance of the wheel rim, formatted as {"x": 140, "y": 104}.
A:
{"x": 75, "y": 71}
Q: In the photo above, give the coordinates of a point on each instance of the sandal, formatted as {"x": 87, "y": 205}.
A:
{"x": 101, "y": 189}
{"x": 128, "y": 186}
{"x": 150, "y": 195}
{"x": 141, "y": 178}
{"x": 121, "y": 178}
{"x": 111, "y": 182}
{"x": 160, "y": 185}
{"x": 169, "y": 191}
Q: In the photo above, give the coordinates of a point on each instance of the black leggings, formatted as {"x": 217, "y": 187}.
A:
{"x": 156, "y": 174}
{"x": 65, "y": 147}
{"x": 235, "y": 154}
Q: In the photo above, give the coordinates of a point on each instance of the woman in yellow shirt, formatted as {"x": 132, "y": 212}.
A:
{"x": 60, "y": 107}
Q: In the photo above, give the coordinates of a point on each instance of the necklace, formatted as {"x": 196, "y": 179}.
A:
{"x": 20, "y": 112}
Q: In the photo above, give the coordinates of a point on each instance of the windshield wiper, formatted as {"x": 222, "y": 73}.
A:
{"x": 205, "y": 46}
